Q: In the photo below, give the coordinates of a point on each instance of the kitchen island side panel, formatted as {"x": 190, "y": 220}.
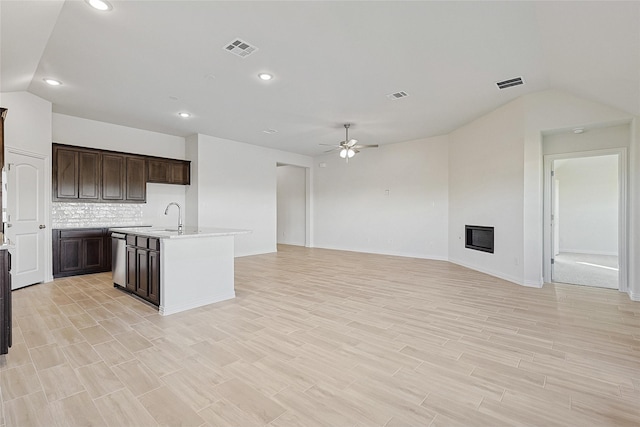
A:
{"x": 195, "y": 272}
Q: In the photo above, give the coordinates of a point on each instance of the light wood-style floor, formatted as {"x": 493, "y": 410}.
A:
{"x": 326, "y": 338}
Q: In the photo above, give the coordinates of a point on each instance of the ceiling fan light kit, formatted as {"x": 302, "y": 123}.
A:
{"x": 348, "y": 147}
{"x": 347, "y": 153}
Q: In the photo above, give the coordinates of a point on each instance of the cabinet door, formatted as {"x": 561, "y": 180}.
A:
{"x": 142, "y": 283}
{"x": 93, "y": 253}
{"x": 65, "y": 174}
{"x": 5, "y": 301}
{"x": 113, "y": 175}
{"x": 159, "y": 171}
{"x": 181, "y": 172}
{"x": 88, "y": 175}
{"x": 132, "y": 271}
{"x": 136, "y": 181}
{"x": 70, "y": 255}
{"x": 154, "y": 277}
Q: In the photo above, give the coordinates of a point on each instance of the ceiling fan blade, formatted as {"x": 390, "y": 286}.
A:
{"x": 352, "y": 142}
{"x": 365, "y": 146}
{"x": 330, "y": 145}
{"x": 333, "y": 149}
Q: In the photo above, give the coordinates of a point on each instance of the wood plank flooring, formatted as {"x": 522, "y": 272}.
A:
{"x": 326, "y": 338}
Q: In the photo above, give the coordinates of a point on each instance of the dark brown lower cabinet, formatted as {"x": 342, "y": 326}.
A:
{"x": 143, "y": 267}
{"x": 81, "y": 251}
{"x": 5, "y": 301}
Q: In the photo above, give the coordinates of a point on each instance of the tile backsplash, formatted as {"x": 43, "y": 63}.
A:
{"x": 72, "y": 215}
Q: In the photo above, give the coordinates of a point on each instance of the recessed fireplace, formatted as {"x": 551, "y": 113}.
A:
{"x": 479, "y": 238}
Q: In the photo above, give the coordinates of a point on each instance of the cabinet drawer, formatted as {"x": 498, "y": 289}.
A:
{"x": 153, "y": 244}
{"x": 78, "y": 233}
{"x": 142, "y": 241}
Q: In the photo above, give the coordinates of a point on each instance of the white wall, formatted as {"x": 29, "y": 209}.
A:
{"x": 634, "y": 217}
{"x": 93, "y": 134}
{"x": 566, "y": 141}
{"x": 291, "y": 205}
{"x": 28, "y": 124}
{"x": 549, "y": 112}
{"x": 28, "y": 128}
{"x": 236, "y": 188}
{"x": 588, "y": 204}
{"x": 485, "y": 189}
{"x": 512, "y": 185}
{"x": 390, "y": 200}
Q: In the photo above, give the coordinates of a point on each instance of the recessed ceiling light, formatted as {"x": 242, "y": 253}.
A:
{"x": 265, "y": 76}
{"x": 100, "y": 5}
{"x": 52, "y": 82}
{"x": 269, "y": 131}
{"x": 184, "y": 115}
{"x": 578, "y": 130}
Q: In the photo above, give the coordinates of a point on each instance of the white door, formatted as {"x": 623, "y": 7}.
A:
{"x": 25, "y": 225}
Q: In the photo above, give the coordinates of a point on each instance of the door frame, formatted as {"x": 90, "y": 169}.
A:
{"x": 622, "y": 210}
{"x": 307, "y": 203}
{"x": 48, "y": 242}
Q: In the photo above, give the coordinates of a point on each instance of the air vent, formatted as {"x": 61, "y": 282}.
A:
{"x": 509, "y": 83}
{"x": 240, "y": 48}
{"x": 398, "y": 95}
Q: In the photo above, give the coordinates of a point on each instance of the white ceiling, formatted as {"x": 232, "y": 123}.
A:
{"x": 333, "y": 62}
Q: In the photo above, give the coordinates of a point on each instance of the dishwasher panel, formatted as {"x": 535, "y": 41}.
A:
{"x": 119, "y": 259}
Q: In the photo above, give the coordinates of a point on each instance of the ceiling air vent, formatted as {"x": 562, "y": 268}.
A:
{"x": 398, "y": 95}
{"x": 240, "y": 48}
{"x": 509, "y": 83}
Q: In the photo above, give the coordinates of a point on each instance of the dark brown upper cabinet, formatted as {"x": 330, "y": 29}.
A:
{"x": 136, "y": 182}
{"x": 76, "y": 175}
{"x": 113, "y": 177}
{"x": 181, "y": 172}
{"x": 91, "y": 175}
{"x": 164, "y": 171}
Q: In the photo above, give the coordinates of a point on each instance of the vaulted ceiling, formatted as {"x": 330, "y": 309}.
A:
{"x": 143, "y": 62}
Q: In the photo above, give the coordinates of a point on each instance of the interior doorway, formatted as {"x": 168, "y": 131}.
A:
{"x": 585, "y": 236}
{"x": 292, "y": 203}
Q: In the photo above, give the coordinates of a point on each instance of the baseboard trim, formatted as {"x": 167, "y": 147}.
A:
{"x": 633, "y": 296}
{"x": 582, "y": 252}
{"x": 494, "y": 274}
{"x": 390, "y": 253}
{"x": 166, "y": 311}
{"x": 533, "y": 284}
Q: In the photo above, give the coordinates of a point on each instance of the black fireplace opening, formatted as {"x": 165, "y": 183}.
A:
{"x": 479, "y": 238}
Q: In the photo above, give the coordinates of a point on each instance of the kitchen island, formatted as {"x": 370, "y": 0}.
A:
{"x": 194, "y": 267}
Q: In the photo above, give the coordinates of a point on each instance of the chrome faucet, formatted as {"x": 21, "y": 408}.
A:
{"x": 179, "y": 215}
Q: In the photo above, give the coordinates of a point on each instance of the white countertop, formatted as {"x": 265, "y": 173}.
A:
{"x": 187, "y": 232}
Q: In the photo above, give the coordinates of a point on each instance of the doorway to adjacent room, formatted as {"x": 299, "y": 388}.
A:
{"x": 292, "y": 201}
{"x": 585, "y": 211}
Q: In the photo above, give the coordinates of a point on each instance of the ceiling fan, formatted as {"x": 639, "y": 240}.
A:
{"x": 349, "y": 147}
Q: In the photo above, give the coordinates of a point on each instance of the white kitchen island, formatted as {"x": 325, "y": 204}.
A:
{"x": 196, "y": 265}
